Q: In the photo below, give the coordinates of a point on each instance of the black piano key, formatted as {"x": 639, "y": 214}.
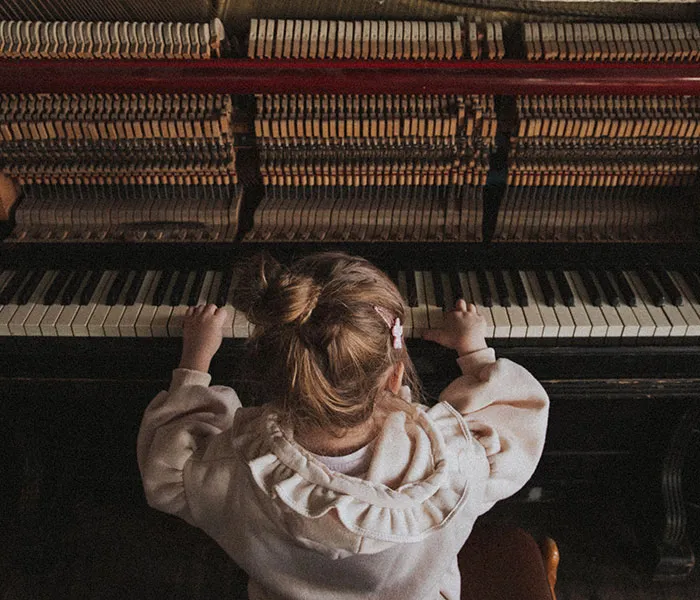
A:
{"x": 116, "y": 288}
{"x": 591, "y": 288}
{"x": 162, "y": 288}
{"x": 550, "y": 298}
{"x": 72, "y": 286}
{"x": 546, "y": 287}
{"x": 456, "y": 286}
{"x": 134, "y": 288}
{"x": 565, "y": 291}
{"x": 29, "y": 286}
{"x": 484, "y": 288}
{"x": 196, "y": 288}
{"x": 178, "y": 288}
{"x": 653, "y": 289}
{"x": 55, "y": 288}
{"x": 693, "y": 281}
{"x": 606, "y": 284}
{"x": 90, "y": 286}
{"x": 439, "y": 292}
{"x": 11, "y": 287}
{"x": 222, "y": 294}
{"x": 2, "y": 285}
{"x": 672, "y": 292}
{"x": 624, "y": 287}
{"x": 501, "y": 288}
{"x": 411, "y": 290}
{"x": 519, "y": 288}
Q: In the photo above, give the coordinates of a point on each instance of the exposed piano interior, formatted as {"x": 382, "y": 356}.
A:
{"x": 567, "y": 212}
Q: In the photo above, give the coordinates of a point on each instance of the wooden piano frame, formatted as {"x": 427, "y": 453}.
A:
{"x": 243, "y": 76}
{"x": 507, "y": 77}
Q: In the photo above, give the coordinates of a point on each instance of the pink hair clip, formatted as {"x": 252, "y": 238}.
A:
{"x": 394, "y": 325}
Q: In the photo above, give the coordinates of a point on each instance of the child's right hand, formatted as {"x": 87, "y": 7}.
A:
{"x": 202, "y": 337}
{"x": 463, "y": 329}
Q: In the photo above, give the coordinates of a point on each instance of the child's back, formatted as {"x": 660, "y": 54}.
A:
{"x": 339, "y": 487}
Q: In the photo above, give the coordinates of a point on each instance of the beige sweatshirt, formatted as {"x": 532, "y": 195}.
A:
{"x": 303, "y": 531}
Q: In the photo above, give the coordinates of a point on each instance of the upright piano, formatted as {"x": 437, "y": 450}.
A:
{"x": 543, "y": 166}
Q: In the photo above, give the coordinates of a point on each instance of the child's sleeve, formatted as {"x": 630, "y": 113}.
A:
{"x": 176, "y": 425}
{"x": 506, "y": 410}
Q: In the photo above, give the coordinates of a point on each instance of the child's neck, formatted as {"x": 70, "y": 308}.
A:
{"x": 324, "y": 443}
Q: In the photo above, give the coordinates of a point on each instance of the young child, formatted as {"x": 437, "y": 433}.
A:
{"x": 339, "y": 487}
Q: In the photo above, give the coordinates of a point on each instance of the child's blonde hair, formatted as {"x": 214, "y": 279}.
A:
{"x": 320, "y": 347}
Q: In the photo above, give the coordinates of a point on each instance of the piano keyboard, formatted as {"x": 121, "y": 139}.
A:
{"x": 563, "y": 305}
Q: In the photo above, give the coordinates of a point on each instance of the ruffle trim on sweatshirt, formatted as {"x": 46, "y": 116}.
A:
{"x": 285, "y": 471}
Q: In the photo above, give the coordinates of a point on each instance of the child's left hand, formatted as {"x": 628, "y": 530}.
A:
{"x": 203, "y": 333}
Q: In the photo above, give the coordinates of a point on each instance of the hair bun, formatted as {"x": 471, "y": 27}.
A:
{"x": 271, "y": 295}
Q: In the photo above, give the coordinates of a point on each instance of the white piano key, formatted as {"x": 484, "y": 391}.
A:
{"x": 629, "y": 322}
{"x": 598, "y": 324}
{"x": 213, "y": 289}
{"x": 631, "y": 327}
{"x": 403, "y": 289}
{"x": 613, "y": 321}
{"x": 159, "y": 322}
{"x": 531, "y": 312}
{"x": 582, "y": 324}
{"x": 116, "y": 312}
{"x": 79, "y": 325}
{"x": 8, "y": 310}
{"x": 241, "y": 326}
{"x": 501, "y": 322}
{"x": 18, "y": 323}
{"x": 47, "y": 324}
{"x": 148, "y": 310}
{"x": 435, "y": 312}
{"x": 549, "y": 316}
{"x": 472, "y": 295}
{"x": 516, "y": 313}
{"x": 96, "y": 324}
{"x": 420, "y": 313}
{"x": 652, "y": 316}
{"x": 690, "y": 309}
{"x": 678, "y": 325}
{"x": 65, "y": 319}
{"x": 614, "y": 324}
{"x": 177, "y": 317}
{"x": 33, "y": 323}
{"x": 127, "y": 323}
{"x": 229, "y": 327}
{"x": 567, "y": 326}
{"x": 49, "y": 320}
{"x": 206, "y": 287}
